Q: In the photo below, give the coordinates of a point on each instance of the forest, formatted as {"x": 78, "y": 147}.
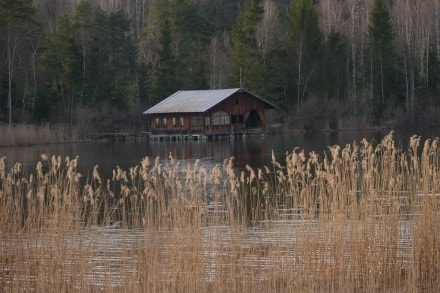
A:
{"x": 328, "y": 64}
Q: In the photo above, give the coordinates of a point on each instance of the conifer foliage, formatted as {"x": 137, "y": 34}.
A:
{"x": 306, "y": 48}
{"x": 383, "y": 55}
{"x": 245, "y": 54}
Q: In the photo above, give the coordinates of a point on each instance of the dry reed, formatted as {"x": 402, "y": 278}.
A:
{"x": 29, "y": 134}
{"x": 363, "y": 218}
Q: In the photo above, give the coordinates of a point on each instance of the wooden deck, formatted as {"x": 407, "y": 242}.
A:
{"x": 121, "y": 136}
{"x": 207, "y": 136}
{"x": 178, "y": 137}
{"x": 173, "y": 136}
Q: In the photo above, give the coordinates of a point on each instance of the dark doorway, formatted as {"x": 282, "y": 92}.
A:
{"x": 254, "y": 121}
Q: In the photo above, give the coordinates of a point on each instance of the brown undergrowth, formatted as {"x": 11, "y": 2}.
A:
{"x": 31, "y": 134}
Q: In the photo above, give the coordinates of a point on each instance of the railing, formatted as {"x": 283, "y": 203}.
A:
{"x": 211, "y": 130}
{"x": 254, "y": 131}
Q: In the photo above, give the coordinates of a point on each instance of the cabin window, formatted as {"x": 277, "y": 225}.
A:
{"x": 178, "y": 122}
{"x": 207, "y": 121}
{"x": 236, "y": 119}
{"x": 196, "y": 121}
{"x": 161, "y": 122}
{"x": 220, "y": 118}
{"x": 237, "y": 101}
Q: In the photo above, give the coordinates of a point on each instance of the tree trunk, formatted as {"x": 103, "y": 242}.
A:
{"x": 34, "y": 75}
{"x": 298, "y": 102}
{"x": 306, "y": 83}
{"x": 354, "y": 89}
{"x": 412, "y": 93}
{"x": 381, "y": 78}
{"x": 371, "y": 81}
{"x": 83, "y": 51}
{"x": 10, "y": 73}
{"x": 427, "y": 61}
{"x": 12, "y": 47}
{"x": 406, "y": 80}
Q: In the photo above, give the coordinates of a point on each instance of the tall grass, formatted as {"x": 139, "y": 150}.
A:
{"x": 365, "y": 217}
{"x": 30, "y": 134}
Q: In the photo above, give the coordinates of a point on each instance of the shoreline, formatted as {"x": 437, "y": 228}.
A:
{"x": 35, "y": 137}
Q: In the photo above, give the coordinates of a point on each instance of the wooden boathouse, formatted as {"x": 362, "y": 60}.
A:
{"x": 207, "y": 114}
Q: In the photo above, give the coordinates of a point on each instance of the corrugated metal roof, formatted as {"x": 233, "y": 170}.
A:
{"x": 195, "y": 101}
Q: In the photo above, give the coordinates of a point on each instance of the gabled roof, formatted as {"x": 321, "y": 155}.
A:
{"x": 197, "y": 101}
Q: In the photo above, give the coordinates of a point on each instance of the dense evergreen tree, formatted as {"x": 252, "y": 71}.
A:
{"x": 306, "y": 49}
{"x": 334, "y": 81}
{"x": 164, "y": 81}
{"x": 174, "y": 48}
{"x": 60, "y": 60}
{"x": 247, "y": 66}
{"x": 221, "y": 13}
{"x": 90, "y": 60}
{"x": 114, "y": 56}
{"x": 192, "y": 35}
{"x": 383, "y": 56}
{"x": 157, "y": 30}
{"x": 83, "y": 21}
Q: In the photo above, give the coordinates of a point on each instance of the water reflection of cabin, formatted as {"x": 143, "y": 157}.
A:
{"x": 200, "y": 114}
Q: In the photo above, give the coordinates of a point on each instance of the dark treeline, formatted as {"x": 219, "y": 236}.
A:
{"x": 326, "y": 63}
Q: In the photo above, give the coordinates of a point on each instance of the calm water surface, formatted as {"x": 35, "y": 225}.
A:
{"x": 255, "y": 151}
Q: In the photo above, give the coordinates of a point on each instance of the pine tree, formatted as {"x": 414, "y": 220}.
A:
{"x": 383, "y": 55}
{"x": 191, "y": 36}
{"x": 335, "y": 65}
{"x": 82, "y": 21}
{"x": 16, "y": 13}
{"x": 173, "y": 49}
{"x": 113, "y": 59}
{"x": 306, "y": 43}
{"x": 164, "y": 82}
{"x": 60, "y": 59}
{"x": 245, "y": 56}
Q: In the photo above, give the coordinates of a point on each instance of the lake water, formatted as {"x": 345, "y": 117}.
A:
{"x": 255, "y": 151}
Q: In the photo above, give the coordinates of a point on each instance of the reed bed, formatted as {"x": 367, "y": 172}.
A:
{"x": 31, "y": 134}
{"x": 365, "y": 217}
